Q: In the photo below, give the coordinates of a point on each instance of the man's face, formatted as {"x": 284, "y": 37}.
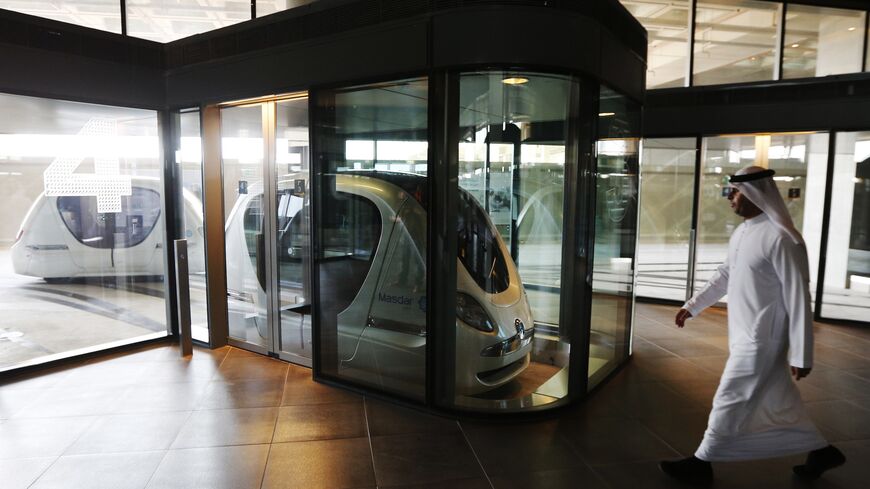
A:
{"x": 742, "y": 206}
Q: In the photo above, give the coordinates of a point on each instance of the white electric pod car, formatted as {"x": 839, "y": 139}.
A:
{"x": 65, "y": 237}
{"x": 373, "y": 241}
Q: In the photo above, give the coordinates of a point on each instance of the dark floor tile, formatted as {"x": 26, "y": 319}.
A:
{"x": 20, "y": 473}
{"x": 72, "y": 401}
{"x": 638, "y": 475}
{"x": 320, "y": 422}
{"x": 239, "y": 467}
{"x": 40, "y": 437}
{"x": 130, "y": 432}
{"x": 300, "y": 390}
{"x": 648, "y": 349}
{"x": 838, "y": 383}
{"x": 839, "y": 358}
{"x": 841, "y": 416}
{"x": 714, "y": 364}
{"x": 542, "y": 446}
{"x": 650, "y": 369}
{"x": 235, "y": 368}
{"x": 578, "y": 477}
{"x": 479, "y": 483}
{"x": 423, "y": 458}
{"x": 683, "y": 432}
{"x": 129, "y": 470}
{"x": 224, "y": 427}
{"x": 243, "y": 394}
{"x": 690, "y": 347}
{"x": 389, "y": 419}
{"x": 699, "y": 393}
{"x": 608, "y": 441}
{"x": 322, "y": 464}
{"x": 183, "y": 396}
{"x": 639, "y": 399}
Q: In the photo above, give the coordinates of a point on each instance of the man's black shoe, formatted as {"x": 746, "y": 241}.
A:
{"x": 691, "y": 470}
{"x": 818, "y": 461}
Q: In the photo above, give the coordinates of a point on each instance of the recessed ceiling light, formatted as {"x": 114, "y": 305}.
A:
{"x": 851, "y": 29}
{"x": 515, "y": 80}
{"x": 795, "y": 45}
{"x": 606, "y": 114}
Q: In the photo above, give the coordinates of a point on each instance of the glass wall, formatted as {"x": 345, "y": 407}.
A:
{"x": 822, "y": 41}
{"x": 800, "y": 162}
{"x": 82, "y": 229}
{"x": 617, "y": 170}
{"x": 371, "y": 235}
{"x": 104, "y": 15}
{"x": 735, "y": 41}
{"x": 292, "y": 204}
{"x": 266, "y": 7}
{"x": 667, "y": 189}
{"x": 668, "y": 28}
{"x": 188, "y": 157}
{"x": 242, "y": 154}
{"x": 168, "y": 20}
{"x": 847, "y": 269}
{"x": 511, "y": 349}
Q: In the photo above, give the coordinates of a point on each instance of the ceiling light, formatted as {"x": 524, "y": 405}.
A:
{"x": 851, "y": 29}
{"x": 515, "y": 80}
{"x": 795, "y": 45}
{"x": 606, "y": 114}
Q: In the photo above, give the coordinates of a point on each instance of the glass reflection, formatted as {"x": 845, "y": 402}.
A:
{"x": 822, "y": 41}
{"x": 104, "y": 15}
{"x": 800, "y": 162}
{"x": 188, "y": 157}
{"x": 82, "y": 228}
{"x": 371, "y": 229}
{"x": 735, "y": 41}
{"x": 169, "y": 20}
{"x": 268, "y": 7}
{"x": 618, "y": 151}
{"x": 292, "y": 215}
{"x": 667, "y": 189}
{"x": 242, "y": 156}
{"x": 667, "y": 25}
{"x": 512, "y": 350}
{"x": 847, "y": 267}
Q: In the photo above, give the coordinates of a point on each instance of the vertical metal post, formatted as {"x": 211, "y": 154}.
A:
{"x": 690, "y": 66}
{"x": 270, "y": 226}
{"x": 123, "y": 5}
{"x": 780, "y": 45}
{"x": 866, "y": 38}
{"x": 826, "y": 225}
{"x": 213, "y": 208}
{"x": 693, "y": 232}
{"x": 182, "y": 294}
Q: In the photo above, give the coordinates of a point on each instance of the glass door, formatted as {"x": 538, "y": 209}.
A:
{"x": 264, "y": 149}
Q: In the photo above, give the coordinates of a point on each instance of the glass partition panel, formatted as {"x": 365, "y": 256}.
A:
{"x": 371, "y": 235}
{"x": 667, "y": 188}
{"x": 822, "y": 41}
{"x": 292, "y": 249}
{"x": 618, "y": 152}
{"x": 189, "y": 160}
{"x": 667, "y": 26}
{"x": 242, "y": 153}
{"x": 800, "y": 162}
{"x": 266, "y": 7}
{"x": 104, "y": 15}
{"x": 82, "y": 228}
{"x": 512, "y": 351}
{"x": 735, "y": 41}
{"x": 847, "y": 268}
{"x": 168, "y": 20}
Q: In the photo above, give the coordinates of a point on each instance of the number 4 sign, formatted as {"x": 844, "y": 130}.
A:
{"x": 97, "y": 139}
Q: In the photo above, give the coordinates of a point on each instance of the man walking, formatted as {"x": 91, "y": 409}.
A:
{"x": 757, "y": 411}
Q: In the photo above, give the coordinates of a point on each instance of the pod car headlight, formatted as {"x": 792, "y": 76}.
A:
{"x": 472, "y": 313}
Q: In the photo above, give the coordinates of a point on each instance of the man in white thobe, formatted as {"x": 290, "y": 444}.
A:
{"x": 757, "y": 411}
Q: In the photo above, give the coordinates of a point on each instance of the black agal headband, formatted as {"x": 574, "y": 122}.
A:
{"x": 749, "y": 177}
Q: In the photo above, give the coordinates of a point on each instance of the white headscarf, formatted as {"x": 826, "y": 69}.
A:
{"x": 763, "y": 193}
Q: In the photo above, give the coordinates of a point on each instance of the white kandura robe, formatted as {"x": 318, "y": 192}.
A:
{"x": 757, "y": 411}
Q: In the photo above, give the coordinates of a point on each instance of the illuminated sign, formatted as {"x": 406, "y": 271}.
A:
{"x": 97, "y": 139}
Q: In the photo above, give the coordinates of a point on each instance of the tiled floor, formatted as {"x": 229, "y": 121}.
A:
{"x": 232, "y": 419}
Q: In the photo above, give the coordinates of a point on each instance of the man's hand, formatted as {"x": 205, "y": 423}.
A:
{"x": 800, "y": 373}
{"x": 682, "y": 315}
